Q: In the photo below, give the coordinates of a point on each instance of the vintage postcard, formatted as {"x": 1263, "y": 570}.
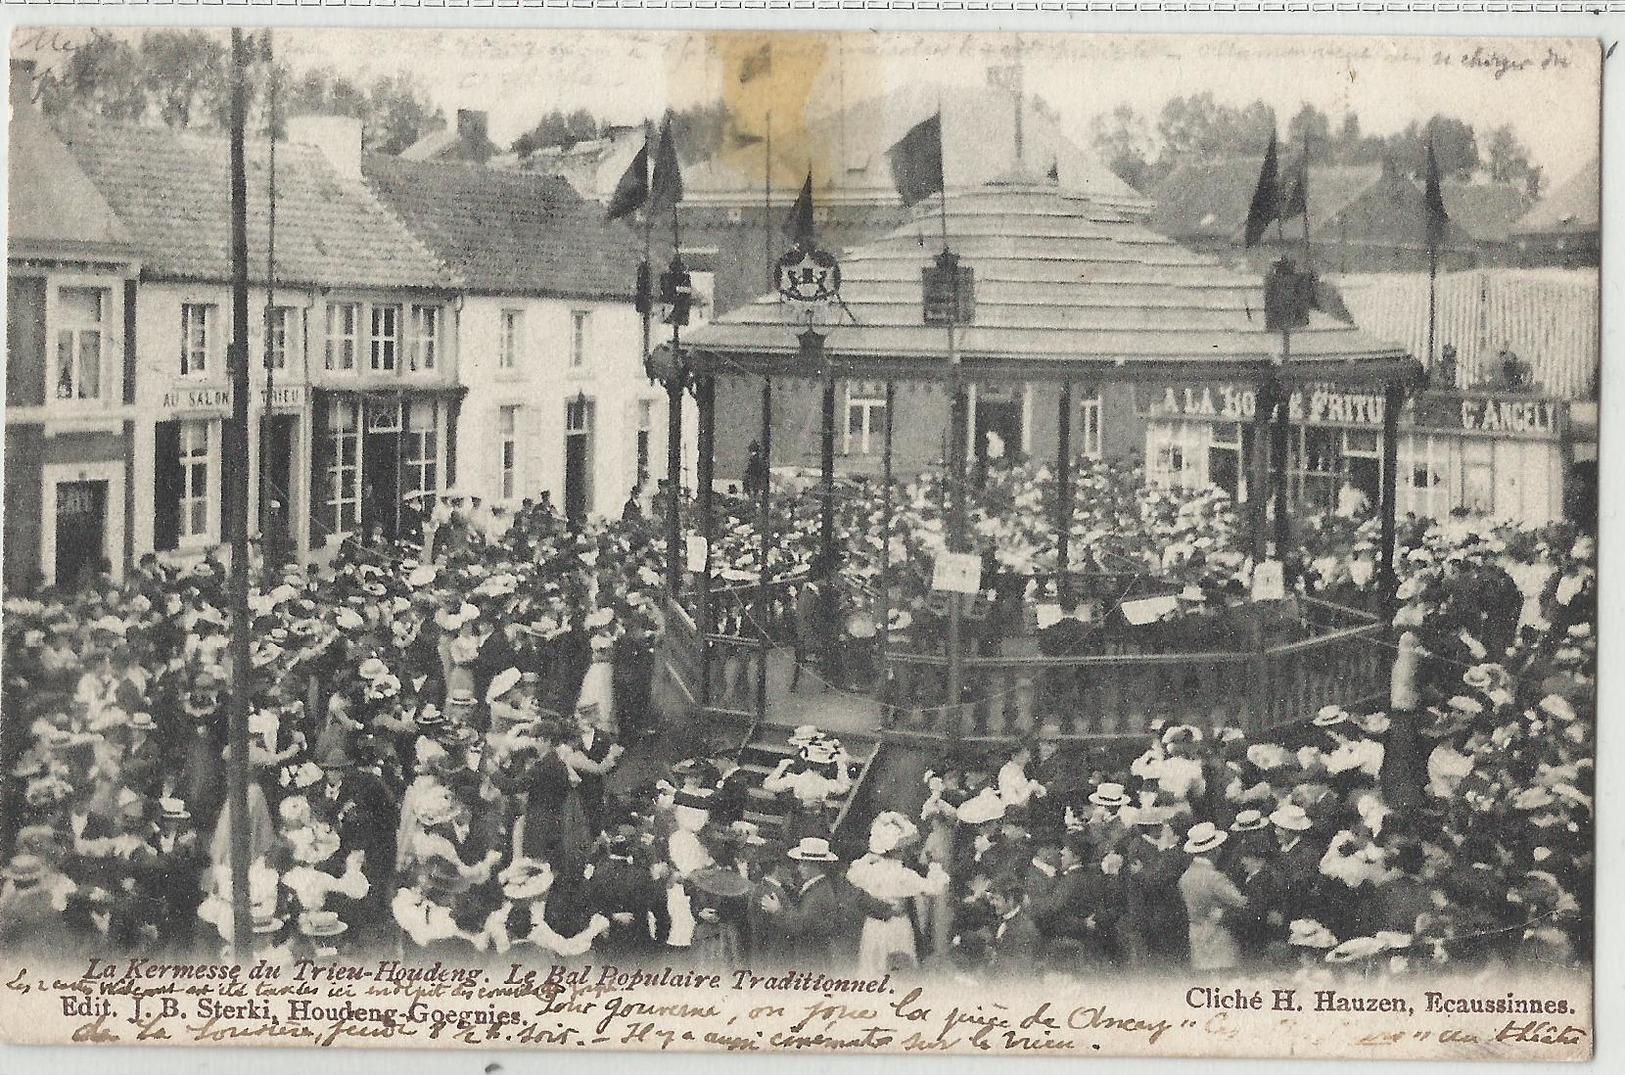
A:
{"x": 945, "y": 543}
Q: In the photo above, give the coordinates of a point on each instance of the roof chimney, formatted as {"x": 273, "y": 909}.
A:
{"x": 473, "y": 135}
{"x": 338, "y": 137}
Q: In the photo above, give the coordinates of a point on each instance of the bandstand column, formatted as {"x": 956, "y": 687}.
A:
{"x": 883, "y": 616}
{"x": 674, "y": 484}
{"x": 954, "y": 481}
{"x": 1063, "y": 493}
{"x": 1280, "y": 461}
{"x": 1258, "y": 484}
{"x": 705, "y": 393}
{"x": 826, "y": 465}
{"x": 764, "y": 526}
{"x": 1393, "y": 402}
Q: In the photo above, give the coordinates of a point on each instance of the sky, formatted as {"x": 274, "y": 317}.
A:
{"x": 1547, "y": 89}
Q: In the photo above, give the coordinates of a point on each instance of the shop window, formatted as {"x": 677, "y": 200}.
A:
{"x": 646, "y": 425}
{"x": 1478, "y": 476}
{"x": 344, "y": 470}
{"x": 1086, "y": 434}
{"x": 278, "y": 335}
{"x": 508, "y": 449}
{"x": 423, "y": 351}
{"x": 81, "y": 316}
{"x": 385, "y": 339}
{"x": 422, "y": 447}
{"x": 1224, "y": 459}
{"x": 512, "y": 341}
{"x": 343, "y": 335}
{"x": 865, "y": 418}
{"x": 199, "y": 325}
{"x": 1318, "y": 470}
{"x": 578, "y": 338}
{"x": 195, "y": 486}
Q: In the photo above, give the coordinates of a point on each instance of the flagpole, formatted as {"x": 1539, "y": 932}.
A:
{"x": 237, "y": 776}
{"x": 270, "y": 311}
{"x": 767, "y": 202}
{"x": 959, "y": 433}
{"x": 1308, "y": 251}
{"x": 648, "y": 228}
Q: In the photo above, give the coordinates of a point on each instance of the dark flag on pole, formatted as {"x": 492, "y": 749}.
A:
{"x": 666, "y": 188}
{"x": 916, "y": 161}
{"x": 1296, "y": 202}
{"x": 1266, "y": 204}
{"x": 799, "y": 224}
{"x": 1438, "y": 220}
{"x": 633, "y": 189}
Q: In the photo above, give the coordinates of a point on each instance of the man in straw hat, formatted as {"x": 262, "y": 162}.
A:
{"x": 811, "y": 922}
{"x": 1209, "y": 898}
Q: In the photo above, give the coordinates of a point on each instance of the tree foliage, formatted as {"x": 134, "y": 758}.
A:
{"x": 182, "y": 78}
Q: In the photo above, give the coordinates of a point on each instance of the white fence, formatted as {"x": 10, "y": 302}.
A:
{"x": 1548, "y": 317}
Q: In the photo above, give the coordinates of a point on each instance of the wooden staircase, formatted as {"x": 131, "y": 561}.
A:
{"x": 767, "y": 747}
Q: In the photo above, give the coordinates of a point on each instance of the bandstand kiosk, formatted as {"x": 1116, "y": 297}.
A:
{"x": 1027, "y": 285}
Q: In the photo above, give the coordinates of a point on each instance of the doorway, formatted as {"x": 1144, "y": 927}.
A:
{"x": 380, "y": 484}
{"x": 277, "y": 505}
{"x": 81, "y": 532}
{"x": 577, "y": 459}
{"x": 998, "y": 427}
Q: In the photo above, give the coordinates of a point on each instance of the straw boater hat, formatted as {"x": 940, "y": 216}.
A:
{"x": 1203, "y": 837}
{"x": 1330, "y": 716}
{"x": 812, "y": 849}
{"x": 1249, "y": 821}
{"x": 321, "y": 924}
{"x": 804, "y": 735}
{"x": 173, "y": 809}
{"x": 1111, "y": 796}
{"x": 143, "y": 721}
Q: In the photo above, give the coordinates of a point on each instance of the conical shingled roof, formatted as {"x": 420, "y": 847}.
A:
{"x": 1064, "y": 287}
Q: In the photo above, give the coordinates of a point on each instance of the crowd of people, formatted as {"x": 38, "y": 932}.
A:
{"x": 455, "y": 754}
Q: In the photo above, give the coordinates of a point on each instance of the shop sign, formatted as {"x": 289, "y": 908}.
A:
{"x": 197, "y": 399}
{"x": 1328, "y": 405}
{"x": 1508, "y": 415}
{"x": 183, "y": 398}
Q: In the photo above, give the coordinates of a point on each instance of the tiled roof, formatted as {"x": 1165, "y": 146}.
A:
{"x": 1209, "y": 199}
{"x": 508, "y": 232}
{"x": 172, "y": 191}
{"x": 1572, "y": 207}
{"x": 1058, "y": 280}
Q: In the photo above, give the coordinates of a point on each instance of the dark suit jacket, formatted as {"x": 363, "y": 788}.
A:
{"x": 812, "y": 923}
{"x": 732, "y": 795}
{"x": 617, "y": 886}
{"x": 366, "y": 818}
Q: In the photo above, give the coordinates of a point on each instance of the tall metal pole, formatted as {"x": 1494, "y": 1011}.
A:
{"x": 884, "y": 616}
{"x": 237, "y": 475}
{"x": 270, "y": 310}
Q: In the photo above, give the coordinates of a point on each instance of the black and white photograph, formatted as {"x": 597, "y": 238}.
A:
{"x": 1037, "y": 543}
